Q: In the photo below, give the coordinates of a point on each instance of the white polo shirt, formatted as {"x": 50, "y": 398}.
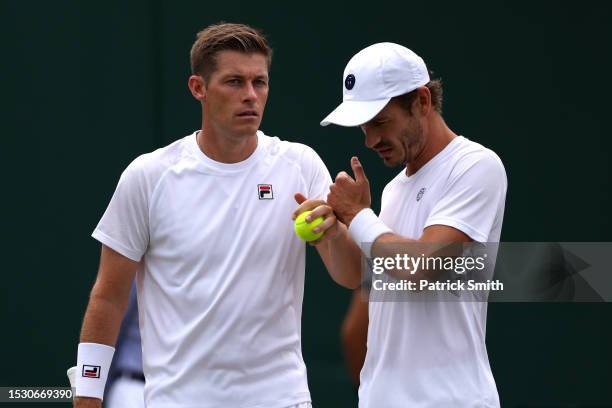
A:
{"x": 220, "y": 292}
{"x": 432, "y": 353}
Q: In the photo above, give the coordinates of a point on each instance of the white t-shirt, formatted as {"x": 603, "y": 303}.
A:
{"x": 220, "y": 292}
{"x": 433, "y": 354}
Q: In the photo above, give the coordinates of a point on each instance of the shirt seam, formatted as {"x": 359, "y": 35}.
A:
{"x": 116, "y": 245}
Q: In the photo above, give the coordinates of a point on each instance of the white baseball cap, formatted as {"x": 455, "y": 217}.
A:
{"x": 374, "y": 76}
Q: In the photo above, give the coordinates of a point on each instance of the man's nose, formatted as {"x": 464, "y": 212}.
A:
{"x": 371, "y": 138}
{"x": 249, "y": 92}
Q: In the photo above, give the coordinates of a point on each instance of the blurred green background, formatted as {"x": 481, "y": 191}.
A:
{"x": 88, "y": 86}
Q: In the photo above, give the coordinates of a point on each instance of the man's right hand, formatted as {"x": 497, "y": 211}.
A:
{"x": 85, "y": 402}
{"x": 347, "y": 196}
{"x": 319, "y": 208}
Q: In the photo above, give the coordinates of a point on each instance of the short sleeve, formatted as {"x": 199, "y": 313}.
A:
{"x": 474, "y": 197}
{"x": 124, "y": 225}
{"x": 316, "y": 174}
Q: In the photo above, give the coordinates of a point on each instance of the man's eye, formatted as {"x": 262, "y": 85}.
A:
{"x": 234, "y": 81}
{"x": 260, "y": 82}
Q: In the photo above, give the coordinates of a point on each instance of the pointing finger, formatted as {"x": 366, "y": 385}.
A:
{"x": 358, "y": 170}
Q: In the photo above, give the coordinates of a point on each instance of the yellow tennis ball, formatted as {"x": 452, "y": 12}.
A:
{"x": 304, "y": 230}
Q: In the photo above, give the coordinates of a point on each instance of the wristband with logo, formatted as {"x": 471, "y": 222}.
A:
{"x": 93, "y": 362}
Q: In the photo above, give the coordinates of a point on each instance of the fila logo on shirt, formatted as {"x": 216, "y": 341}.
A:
{"x": 420, "y": 194}
{"x": 91, "y": 371}
{"x": 265, "y": 191}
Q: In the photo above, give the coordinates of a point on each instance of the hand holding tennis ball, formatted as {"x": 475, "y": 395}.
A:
{"x": 323, "y": 219}
{"x": 303, "y": 229}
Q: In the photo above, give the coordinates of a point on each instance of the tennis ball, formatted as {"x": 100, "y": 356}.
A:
{"x": 304, "y": 230}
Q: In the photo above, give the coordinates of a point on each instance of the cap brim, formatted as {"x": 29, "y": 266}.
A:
{"x": 355, "y": 113}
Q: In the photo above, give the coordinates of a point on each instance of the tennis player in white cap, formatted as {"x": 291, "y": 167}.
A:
{"x": 450, "y": 189}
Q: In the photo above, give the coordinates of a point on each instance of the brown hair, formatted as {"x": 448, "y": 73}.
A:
{"x": 435, "y": 89}
{"x": 225, "y": 36}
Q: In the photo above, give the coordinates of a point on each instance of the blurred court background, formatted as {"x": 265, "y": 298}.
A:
{"x": 88, "y": 86}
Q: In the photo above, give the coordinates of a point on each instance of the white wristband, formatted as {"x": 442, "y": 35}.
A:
{"x": 365, "y": 228}
{"x": 93, "y": 362}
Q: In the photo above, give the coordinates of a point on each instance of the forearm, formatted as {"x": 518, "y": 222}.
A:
{"x": 103, "y": 318}
{"x": 387, "y": 245}
{"x": 419, "y": 258}
{"x": 107, "y": 305}
{"x": 342, "y": 258}
{"x": 390, "y": 246}
{"x": 100, "y": 325}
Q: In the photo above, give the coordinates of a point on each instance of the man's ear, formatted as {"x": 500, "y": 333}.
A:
{"x": 197, "y": 86}
{"x": 424, "y": 100}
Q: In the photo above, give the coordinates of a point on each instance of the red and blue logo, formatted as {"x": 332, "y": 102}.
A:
{"x": 265, "y": 191}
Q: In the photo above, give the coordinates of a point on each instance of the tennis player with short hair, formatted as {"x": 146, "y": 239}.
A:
{"x": 427, "y": 353}
{"x": 204, "y": 225}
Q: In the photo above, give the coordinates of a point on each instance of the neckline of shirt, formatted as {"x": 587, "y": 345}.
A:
{"x": 218, "y": 167}
{"x": 448, "y": 149}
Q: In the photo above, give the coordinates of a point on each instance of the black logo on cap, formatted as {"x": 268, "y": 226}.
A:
{"x": 349, "y": 82}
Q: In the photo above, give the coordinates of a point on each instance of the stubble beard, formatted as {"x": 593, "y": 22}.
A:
{"x": 412, "y": 141}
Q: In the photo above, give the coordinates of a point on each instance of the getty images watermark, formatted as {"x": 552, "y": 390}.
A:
{"x": 422, "y": 273}
{"x": 494, "y": 272}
